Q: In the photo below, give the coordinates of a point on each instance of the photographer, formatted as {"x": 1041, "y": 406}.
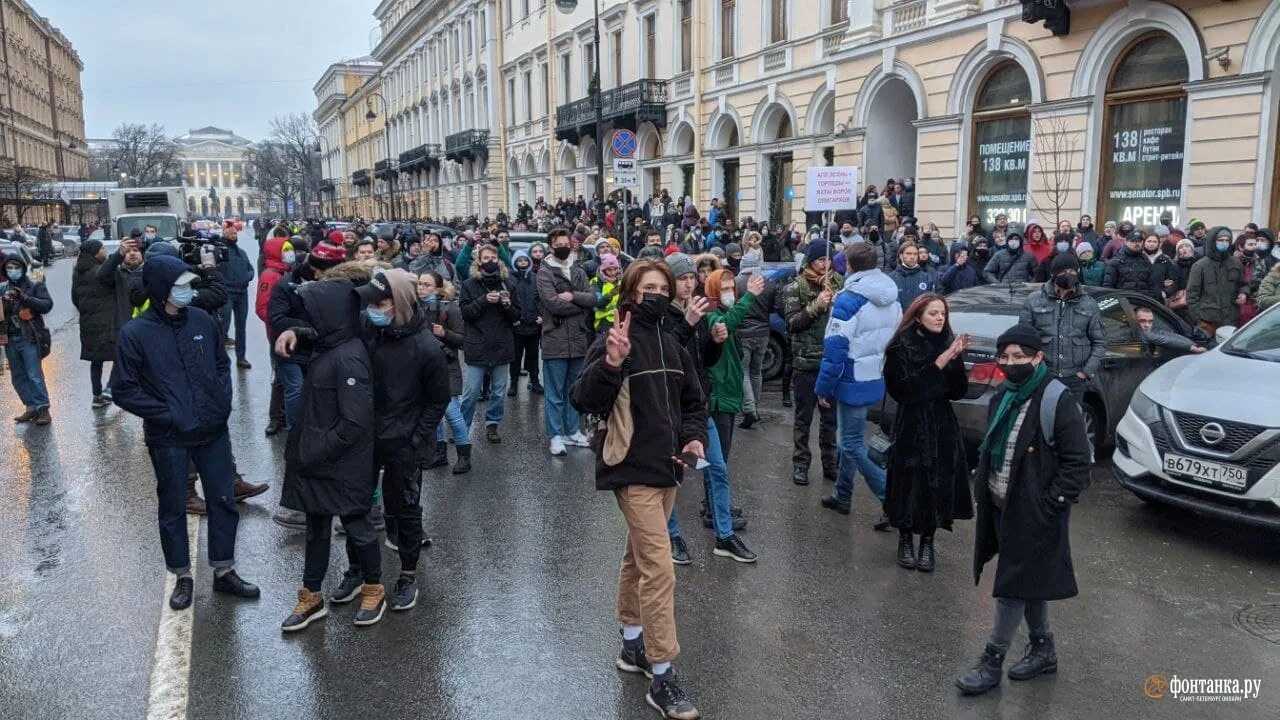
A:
{"x": 26, "y": 340}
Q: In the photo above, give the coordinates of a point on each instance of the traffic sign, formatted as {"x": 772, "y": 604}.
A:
{"x": 625, "y": 173}
{"x": 625, "y": 143}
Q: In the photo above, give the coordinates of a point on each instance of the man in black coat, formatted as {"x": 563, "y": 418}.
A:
{"x": 410, "y": 392}
{"x": 1029, "y": 475}
{"x": 96, "y": 305}
{"x": 1130, "y": 270}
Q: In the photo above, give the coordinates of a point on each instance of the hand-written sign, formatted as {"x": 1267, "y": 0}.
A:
{"x": 831, "y": 188}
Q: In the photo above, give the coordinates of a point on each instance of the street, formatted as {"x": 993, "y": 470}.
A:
{"x": 516, "y": 614}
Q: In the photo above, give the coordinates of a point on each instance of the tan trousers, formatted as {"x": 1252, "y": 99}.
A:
{"x": 647, "y": 581}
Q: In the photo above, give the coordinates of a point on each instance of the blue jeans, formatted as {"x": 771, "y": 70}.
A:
{"x": 290, "y": 374}
{"x": 215, "y": 467}
{"x": 26, "y": 373}
{"x": 457, "y": 425}
{"x": 715, "y": 480}
{"x": 558, "y": 375}
{"x": 237, "y": 305}
{"x": 473, "y": 385}
{"x": 851, "y": 421}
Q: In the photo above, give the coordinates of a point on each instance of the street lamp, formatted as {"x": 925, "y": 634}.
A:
{"x": 568, "y": 6}
{"x": 320, "y": 151}
{"x": 386, "y": 135}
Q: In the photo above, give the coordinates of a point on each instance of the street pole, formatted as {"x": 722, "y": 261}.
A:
{"x": 386, "y": 135}
{"x": 599, "y": 108}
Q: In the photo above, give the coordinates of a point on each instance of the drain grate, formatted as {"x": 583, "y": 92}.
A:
{"x": 1260, "y": 621}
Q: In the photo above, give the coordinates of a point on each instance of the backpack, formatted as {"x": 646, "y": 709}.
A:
{"x": 1049, "y": 409}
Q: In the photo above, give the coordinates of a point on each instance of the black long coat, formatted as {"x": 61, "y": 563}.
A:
{"x": 97, "y": 305}
{"x": 1033, "y": 537}
{"x": 490, "y": 335}
{"x": 928, "y": 478}
{"x": 329, "y": 455}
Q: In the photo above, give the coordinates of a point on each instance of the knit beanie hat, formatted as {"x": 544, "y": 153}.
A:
{"x": 1020, "y": 334}
{"x": 1064, "y": 261}
{"x": 1083, "y": 248}
{"x": 817, "y": 249}
{"x": 326, "y": 255}
{"x": 680, "y": 264}
{"x": 732, "y": 249}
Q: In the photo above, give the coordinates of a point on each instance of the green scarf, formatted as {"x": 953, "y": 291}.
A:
{"x": 997, "y": 439}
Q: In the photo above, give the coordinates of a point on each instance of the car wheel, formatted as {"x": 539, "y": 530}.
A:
{"x": 1093, "y": 427}
{"x": 772, "y": 367}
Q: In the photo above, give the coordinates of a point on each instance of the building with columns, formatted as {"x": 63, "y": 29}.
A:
{"x": 1141, "y": 106}
{"x": 212, "y": 162}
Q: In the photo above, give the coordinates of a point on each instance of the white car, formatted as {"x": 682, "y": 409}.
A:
{"x": 1203, "y": 431}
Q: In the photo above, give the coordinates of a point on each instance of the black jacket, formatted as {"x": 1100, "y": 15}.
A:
{"x": 97, "y": 306}
{"x": 652, "y": 407}
{"x": 696, "y": 340}
{"x": 1134, "y": 272}
{"x": 448, "y": 316}
{"x": 329, "y": 454}
{"x": 1033, "y": 538}
{"x": 285, "y": 311}
{"x": 928, "y": 478}
{"x": 525, "y": 283}
{"x": 122, "y": 281}
{"x": 769, "y": 301}
{"x": 490, "y": 339}
{"x": 411, "y": 387}
{"x": 24, "y": 294}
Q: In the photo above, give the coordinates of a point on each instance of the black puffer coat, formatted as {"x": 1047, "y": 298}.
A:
{"x": 1033, "y": 538}
{"x": 413, "y": 382}
{"x": 490, "y": 337}
{"x": 446, "y": 314}
{"x": 928, "y": 479}
{"x": 329, "y": 456}
{"x": 1134, "y": 272}
{"x": 97, "y": 305}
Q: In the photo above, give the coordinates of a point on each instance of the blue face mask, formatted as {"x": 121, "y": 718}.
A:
{"x": 429, "y": 298}
{"x": 377, "y": 318}
{"x": 182, "y": 295}
{"x": 14, "y": 274}
{"x": 1222, "y": 247}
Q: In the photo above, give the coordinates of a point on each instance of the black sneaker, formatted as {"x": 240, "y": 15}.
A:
{"x": 405, "y": 594}
{"x": 632, "y": 658}
{"x": 491, "y": 434}
{"x": 733, "y": 547}
{"x": 310, "y": 608}
{"x": 748, "y": 419}
{"x": 233, "y": 584}
{"x": 536, "y": 388}
{"x": 667, "y": 698}
{"x": 800, "y": 475}
{"x": 831, "y": 503}
{"x": 680, "y": 552}
{"x": 180, "y": 598}
{"x": 347, "y": 590}
{"x": 99, "y": 402}
{"x": 882, "y": 523}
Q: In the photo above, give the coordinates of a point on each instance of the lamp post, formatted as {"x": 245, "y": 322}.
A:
{"x": 568, "y": 6}
{"x": 321, "y": 152}
{"x": 386, "y": 135}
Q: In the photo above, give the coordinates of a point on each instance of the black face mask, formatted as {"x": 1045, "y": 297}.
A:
{"x": 653, "y": 308}
{"x": 981, "y": 253}
{"x": 489, "y": 268}
{"x": 1019, "y": 374}
{"x": 1066, "y": 281}
{"x": 561, "y": 253}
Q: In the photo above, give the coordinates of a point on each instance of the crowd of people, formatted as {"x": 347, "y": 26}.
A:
{"x": 644, "y": 342}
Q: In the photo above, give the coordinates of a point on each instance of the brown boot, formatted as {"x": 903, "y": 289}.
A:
{"x": 27, "y": 416}
{"x": 373, "y": 603}
{"x": 195, "y": 505}
{"x": 310, "y": 607}
{"x": 245, "y": 490}
{"x": 43, "y": 417}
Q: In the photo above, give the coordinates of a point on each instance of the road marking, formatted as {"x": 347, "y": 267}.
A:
{"x": 171, "y": 662}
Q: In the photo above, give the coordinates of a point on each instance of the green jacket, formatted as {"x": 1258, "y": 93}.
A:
{"x": 1269, "y": 290}
{"x": 726, "y": 375}
{"x": 1092, "y": 273}
{"x": 806, "y": 322}
{"x": 463, "y": 264}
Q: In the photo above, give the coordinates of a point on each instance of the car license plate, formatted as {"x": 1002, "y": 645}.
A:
{"x": 1232, "y": 476}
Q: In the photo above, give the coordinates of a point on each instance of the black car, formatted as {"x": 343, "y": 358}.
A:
{"x": 985, "y": 312}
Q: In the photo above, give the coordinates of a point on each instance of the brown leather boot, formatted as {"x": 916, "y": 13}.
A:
{"x": 43, "y": 417}
{"x": 310, "y": 607}
{"x": 195, "y": 504}
{"x": 27, "y": 416}
{"x": 245, "y": 490}
{"x": 373, "y": 603}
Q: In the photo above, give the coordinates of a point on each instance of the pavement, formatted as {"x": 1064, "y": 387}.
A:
{"x": 515, "y": 619}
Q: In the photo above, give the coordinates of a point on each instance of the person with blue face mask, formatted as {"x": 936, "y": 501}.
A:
{"x": 25, "y": 303}
{"x": 172, "y": 371}
{"x": 1216, "y": 286}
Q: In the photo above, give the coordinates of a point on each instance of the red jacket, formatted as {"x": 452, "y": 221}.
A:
{"x": 275, "y": 269}
{"x": 1040, "y": 249}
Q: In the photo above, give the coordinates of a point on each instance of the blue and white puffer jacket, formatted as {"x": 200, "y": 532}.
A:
{"x": 863, "y": 319}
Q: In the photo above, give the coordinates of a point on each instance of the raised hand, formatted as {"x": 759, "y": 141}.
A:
{"x": 695, "y": 310}
{"x": 719, "y": 332}
{"x": 755, "y": 285}
{"x": 618, "y": 344}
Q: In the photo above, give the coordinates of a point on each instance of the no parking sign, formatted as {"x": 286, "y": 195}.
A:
{"x": 625, "y": 143}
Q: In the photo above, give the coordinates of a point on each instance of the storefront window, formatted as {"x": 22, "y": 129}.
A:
{"x": 1002, "y": 146}
{"x": 1145, "y": 137}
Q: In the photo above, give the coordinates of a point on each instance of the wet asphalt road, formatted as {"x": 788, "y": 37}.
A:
{"x": 515, "y": 619}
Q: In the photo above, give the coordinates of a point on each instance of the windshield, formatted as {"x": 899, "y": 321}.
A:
{"x": 982, "y": 324}
{"x": 166, "y": 226}
{"x": 1259, "y": 339}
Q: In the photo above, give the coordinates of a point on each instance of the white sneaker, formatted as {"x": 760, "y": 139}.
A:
{"x": 557, "y": 446}
{"x": 578, "y": 440}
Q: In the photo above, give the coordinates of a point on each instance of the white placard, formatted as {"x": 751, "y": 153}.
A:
{"x": 831, "y": 188}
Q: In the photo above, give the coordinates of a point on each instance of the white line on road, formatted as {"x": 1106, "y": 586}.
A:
{"x": 171, "y": 663}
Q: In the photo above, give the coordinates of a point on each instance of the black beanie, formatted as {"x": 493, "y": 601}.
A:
{"x": 1020, "y": 334}
{"x": 1064, "y": 261}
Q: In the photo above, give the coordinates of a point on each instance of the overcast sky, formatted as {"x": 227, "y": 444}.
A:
{"x": 187, "y": 64}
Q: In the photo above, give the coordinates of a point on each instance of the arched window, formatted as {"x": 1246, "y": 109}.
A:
{"x": 1001, "y": 145}
{"x": 1145, "y": 133}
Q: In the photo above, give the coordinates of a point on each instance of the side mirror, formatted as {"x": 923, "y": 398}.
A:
{"x": 1224, "y": 333}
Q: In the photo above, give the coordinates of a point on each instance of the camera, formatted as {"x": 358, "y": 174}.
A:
{"x": 196, "y": 250}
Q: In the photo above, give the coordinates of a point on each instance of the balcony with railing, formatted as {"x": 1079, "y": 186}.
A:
{"x": 626, "y": 106}
{"x": 420, "y": 158}
{"x": 361, "y": 177}
{"x": 466, "y": 145}
{"x": 905, "y": 16}
{"x": 327, "y": 186}
{"x": 383, "y": 169}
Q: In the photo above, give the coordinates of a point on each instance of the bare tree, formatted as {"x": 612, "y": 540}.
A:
{"x": 19, "y": 184}
{"x": 286, "y": 166}
{"x": 146, "y": 154}
{"x": 1055, "y": 151}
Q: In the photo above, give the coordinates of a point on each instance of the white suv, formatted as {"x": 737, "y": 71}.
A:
{"x": 1203, "y": 431}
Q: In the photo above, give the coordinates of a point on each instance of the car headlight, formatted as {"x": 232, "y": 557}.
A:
{"x": 1144, "y": 407}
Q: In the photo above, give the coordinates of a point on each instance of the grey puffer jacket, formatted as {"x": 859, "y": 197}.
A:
{"x": 1006, "y": 268}
{"x": 566, "y": 324}
{"x": 1216, "y": 280}
{"x": 1071, "y": 330}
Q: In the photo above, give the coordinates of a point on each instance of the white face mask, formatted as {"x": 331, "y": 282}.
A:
{"x": 726, "y": 299}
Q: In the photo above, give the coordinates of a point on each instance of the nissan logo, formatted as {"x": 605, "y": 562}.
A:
{"x": 1212, "y": 433}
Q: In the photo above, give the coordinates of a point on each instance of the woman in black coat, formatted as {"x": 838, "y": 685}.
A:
{"x": 928, "y": 478}
{"x": 446, "y": 324}
{"x": 97, "y": 305}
